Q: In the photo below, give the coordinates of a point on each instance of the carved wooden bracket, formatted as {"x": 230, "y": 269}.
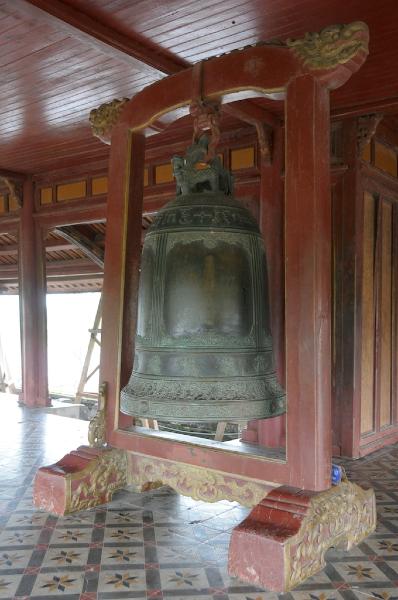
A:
{"x": 335, "y": 45}
{"x": 103, "y": 118}
{"x": 14, "y": 190}
{"x": 72, "y": 234}
{"x": 96, "y": 428}
{"x": 367, "y": 126}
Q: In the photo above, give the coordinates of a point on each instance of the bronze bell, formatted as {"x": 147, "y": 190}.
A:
{"x": 203, "y": 347}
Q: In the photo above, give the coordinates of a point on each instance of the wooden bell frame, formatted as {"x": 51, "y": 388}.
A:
{"x": 276, "y": 72}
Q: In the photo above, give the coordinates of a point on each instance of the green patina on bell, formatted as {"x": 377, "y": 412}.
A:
{"x": 203, "y": 348}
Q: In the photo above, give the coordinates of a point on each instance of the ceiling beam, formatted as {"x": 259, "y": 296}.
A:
{"x": 9, "y": 250}
{"x": 13, "y": 175}
{"x": 78, "y": 267}
{"x": 100, "y": 35}
{"x": 385, "y": 106}
{"x": 50, "y": 245}
{"x": 85, "y": 244}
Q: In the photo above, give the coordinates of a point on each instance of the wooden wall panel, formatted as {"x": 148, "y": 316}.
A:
{"x": 385, "y": 158}
{"x": 385, "y": 316}
{"x": 368, "y": 316}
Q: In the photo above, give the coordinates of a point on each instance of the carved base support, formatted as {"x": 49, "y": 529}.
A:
{"x": 284, "y": 539}
{"x": 199, "y": 483}
{"x": 82, "y": 479}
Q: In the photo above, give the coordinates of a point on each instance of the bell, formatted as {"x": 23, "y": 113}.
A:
{"x": 203, "y": 347}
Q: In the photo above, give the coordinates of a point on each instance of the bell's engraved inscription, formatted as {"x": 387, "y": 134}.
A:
{"x": 217, "y": 217}
{"x": 185, "y": 216}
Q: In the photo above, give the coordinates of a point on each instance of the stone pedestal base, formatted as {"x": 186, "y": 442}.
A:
{"x": 284, "y": 539}
{"x": 82, "y": 479}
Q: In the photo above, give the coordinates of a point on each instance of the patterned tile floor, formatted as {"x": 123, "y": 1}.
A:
{"x": 157, "y": 545}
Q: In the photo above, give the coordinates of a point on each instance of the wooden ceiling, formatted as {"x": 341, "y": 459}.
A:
{"x": 68, "y": 267}
{"x": 69, "y": 258}
{"x": 60, "y": 59}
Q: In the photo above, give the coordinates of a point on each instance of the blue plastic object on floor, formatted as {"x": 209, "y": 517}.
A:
{"x": 337, "y": 474}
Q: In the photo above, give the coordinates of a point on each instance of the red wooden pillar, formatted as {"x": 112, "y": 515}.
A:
{"x": 347, "y": 215}
{"x": 122, "y": 263}
{"x": 308, "y": 283}
{"x": 32, "y": 294}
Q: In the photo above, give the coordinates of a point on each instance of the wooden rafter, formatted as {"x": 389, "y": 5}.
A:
{"x": 69, "y": 268}
{"x": 51, "y": 245}
{"x": 90, "y": 248}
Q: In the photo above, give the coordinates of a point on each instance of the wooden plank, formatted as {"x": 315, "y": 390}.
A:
{"x": 368, "y": 316}
{"x": 347, "y": 256}
{"x": 102, "y": 36}
{"x": 394, "y": 378}
{"x": 385, "y": 332}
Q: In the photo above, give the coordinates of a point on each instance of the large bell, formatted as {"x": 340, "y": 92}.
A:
{"x": 203, "y": 347}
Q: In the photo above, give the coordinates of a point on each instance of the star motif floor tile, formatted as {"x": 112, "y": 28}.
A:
{"x": 122, "y": 580}
{"x": 359, "y": 571}
{"x": 160, "y": 545}
{"x": 14, "y": 559}
{"x": 19, "y": 537}
{"x": 123, "y": 555}
{"x": 65, "y": 557}
{"x": 65, "y": 535}
{"x": 9, "y": 585}
{"x": 184, "y": 578}
{"x": 58, "y": 584}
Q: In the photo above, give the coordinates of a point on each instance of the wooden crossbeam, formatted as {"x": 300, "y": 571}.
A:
{"x": 129, "y": 49}
{"x": 51, "y": 245}
{"x": 77, "y": 267}
{"x": 251, "y": 113}
{"x": 73, "y": 235}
